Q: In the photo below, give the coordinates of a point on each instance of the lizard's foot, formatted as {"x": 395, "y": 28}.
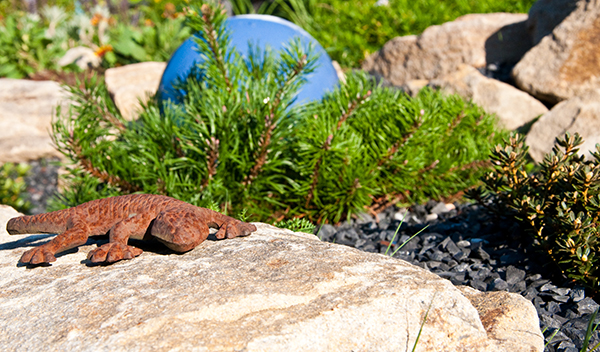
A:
{"x": 37, "y": 255}
{"x": 113, "y": 252}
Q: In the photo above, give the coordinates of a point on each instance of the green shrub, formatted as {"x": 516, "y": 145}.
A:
{"x": 560, "y": 203}
{"x": 234, "y": 139}
{"x": 352, "y": 30}
{"x": 12, "y": 186}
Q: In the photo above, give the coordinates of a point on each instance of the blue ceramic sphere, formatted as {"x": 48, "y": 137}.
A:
{"x": 264, "y": 31}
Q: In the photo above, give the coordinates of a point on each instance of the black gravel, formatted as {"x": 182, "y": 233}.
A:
{"x": 42, "y": 183}
{"x": 468, "y": 246}
{"x": 465, "y": 245}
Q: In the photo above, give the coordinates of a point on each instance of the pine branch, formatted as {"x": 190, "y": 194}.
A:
{"x": 107, "y": 115}
{"x": 455, "y": 122}
{"x": 102, "y": 175}
{"x": 327, "y": 145}
{"x": 211, "y": 38}
{"x": 351, "y": 107}
{"x": 315, "y": 174}
{"x": 399, "y": 145}
{"x": 211, "y": 161}
{"x": 271, "y": 123}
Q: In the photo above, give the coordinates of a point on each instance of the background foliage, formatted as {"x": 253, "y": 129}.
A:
{"x": 129, "y": 31}
{"x": 13, "y": 187}
{"x": 235, "y": 139}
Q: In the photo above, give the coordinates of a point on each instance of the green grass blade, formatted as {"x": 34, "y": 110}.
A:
{"x": 589, "y": 331}
{"x": 408, "y": 240}
{"x": 551, "y": 337}
{"x": 393, "y": 238}
{"x": 423, "y": 322}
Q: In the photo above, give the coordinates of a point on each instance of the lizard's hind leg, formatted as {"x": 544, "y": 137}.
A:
{"x": 180, "y": 229}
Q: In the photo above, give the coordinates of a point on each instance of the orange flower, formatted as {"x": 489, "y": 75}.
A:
{"x": 103, "y": 50}
{"x": 148, "y": 22}
{"x": 96, "y": 19}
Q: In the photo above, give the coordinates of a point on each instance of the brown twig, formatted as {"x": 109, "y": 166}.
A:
{"x": 213, "y": 44}
{"x": 107, "y": 115}
{"x": 271, "y": 123}
{"x": 315, "y": 175}
{"x": 102, "y": 175}
{"x": 211, "y": 161}
{"x": 351, "y": 107}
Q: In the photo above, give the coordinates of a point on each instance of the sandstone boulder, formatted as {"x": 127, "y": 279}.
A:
{"x": 130, "y": 84}
{"x": 565, "y": 63}
{"x": 274, "y": 290}
{"x": 26, "y": 110}
{"x": 579, "y": 114}
{"x": 475, "y": 40}
{"x": 513, "y": 107}
{"x": 545, "y": 15}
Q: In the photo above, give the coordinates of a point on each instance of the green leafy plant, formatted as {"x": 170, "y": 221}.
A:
{"x": 155, "y": 40}
{"x": 234, "y": 138}
{"x": 560, "y": 203}
{"x": 297, "y": 225}
{"x": 26, "y": 46}
{"x": 12, "y": 186}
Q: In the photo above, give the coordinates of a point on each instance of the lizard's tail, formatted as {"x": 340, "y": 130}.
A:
{"x": 54, "y": 222}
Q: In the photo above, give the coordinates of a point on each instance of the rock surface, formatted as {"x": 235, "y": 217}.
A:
{"x": 439, "y": 50}
{"x": 545, "y": 15}
{"x": 579, "y": 114}
{"x": 564, "y": 64}
{"x": 274, "y": 290}
{"x": 513, "y": 107}
{"x": 132, "y": 83}
{"x": 26, "y": 110}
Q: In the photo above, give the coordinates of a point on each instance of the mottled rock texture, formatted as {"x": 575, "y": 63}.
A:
{"x": 274, "y": 290}
{"x": 513, "y": 107}
{"x": 565, "y": 63}
{"x": 545, "y": 15}
{"x": 475, "y": 40}
{"x": 130, "y": 84}
{"x": 26, "y": 110}
{"x": 579, "y": 114}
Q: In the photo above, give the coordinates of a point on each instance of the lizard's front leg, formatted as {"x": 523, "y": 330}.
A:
{"x": 228, "y": 226}
{"x": 71, "y": 238}
{"x": 117, "y": 248}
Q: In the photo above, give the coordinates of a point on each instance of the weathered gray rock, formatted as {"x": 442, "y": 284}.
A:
{"x": 513, "y": 107}
{"x": 545, "y": 15}
{"x": 130, "y": 84}
{"x": 475, "y": 40}
{"x": 579, "y": 114}
{"x": 565, "y": 63}
{"x": 274, "y": 290}
{"x": 26, "y": 110}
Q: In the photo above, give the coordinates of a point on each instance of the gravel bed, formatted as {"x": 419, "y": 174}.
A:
{"x": 42, "y": 183}
{"x": 462, "y": 243}
{"x": 467, "y": 246}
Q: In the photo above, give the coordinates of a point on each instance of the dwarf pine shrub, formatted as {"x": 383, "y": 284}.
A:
{"x": 560, "y": 203}
{"x": 234, "y": 138}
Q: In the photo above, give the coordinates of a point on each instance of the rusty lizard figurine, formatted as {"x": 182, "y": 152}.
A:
{"x": 179, "y": 225}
